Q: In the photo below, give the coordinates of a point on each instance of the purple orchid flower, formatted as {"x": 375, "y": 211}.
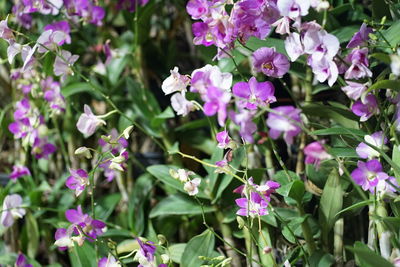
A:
{"x": 19, "y": 171}
{"x": 88, "y": 122}
{"x": 255, "y": 206}
{"x": 130, "y": 5}
{"x": 354, "y": 90}
{"x": 293, "y": 8}
{"x": 365, "y": 108}
{"x": 90, "y": 227}
{"x": 21, "y": 261}
{"x": 361, "y": 37}
{"x": 315, "y": 153}
{"x": 284, "y": 122}
{"x": 294, "y": 46}
{"x": 62, "y": 65}
{"x": 11, "y": 210}
{"x": 208, "y": 76}
{"x": 244, "y": 119}
{"x": 109, "y": 261}
{"x": 41, "y": 148}
{"x": 216, "y": 103}
{"x": 198, "y": 9}
{"x": 270, "y": 62}
{"x": 146, "y": 252}
{"x": 77, "y": 181}
{"x": 223, "y": 139}
{"x": 254, "y": 93}
{"x": 61, "y": 26}
{"x": 368, "y": 174}
{"x": 359, "y": 64}
{"x": 377, "y": 139}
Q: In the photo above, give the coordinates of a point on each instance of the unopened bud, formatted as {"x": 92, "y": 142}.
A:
{"x": 127, "y": 132}
{"x": 165, "y": 258}
{"x": 267, "y": 250}
{"x": 161, "y": 239}
{"x": 174, "y": 174}
{"x": 118, "y": 160}
{"x": 83, "y": 151}
{"x": 240, "y": 222}
{"x": 106, "y": 138}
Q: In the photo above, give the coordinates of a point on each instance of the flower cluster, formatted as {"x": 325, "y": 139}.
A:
{"x": 82, "y": 228}
{"x": 190, "y": 185}
{"x": 255, "y": 198}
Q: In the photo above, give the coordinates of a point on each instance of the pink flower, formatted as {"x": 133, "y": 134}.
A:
{"x": 359, "y": 64}
{"x": 293, "y": 8}
{"x": 377, "y": 139}
{"x": 254, "y": 93}
{"x": 88, "y": 122}
{"x": 294, "y": 46}
{"x": 11, "y": 210}
{"x": 216, "y": 103}
{"x": 320, "y": 44}
{"x": 270, "y": 62}
{"x": 369, "y": 174}
{"x": 109, "y": 261}
{"x": 210, "y": 76}
{"x": 181, "y": 105}
{"x": 366, "y": 107}
{"x": 223, "y": 139}
{"x": 324, "y": 69}
{"x": 361, "y": 37}
{"x": 315, "y": 153}
{"x": 77, "y": 181}
{"x": 5, "y": 32}
{"x": 284, "y": 122}
{"x": 175, "y": 82}
{"x": 191, "y": 186}
{"x": 354, "y": 90}
{"x": 62, "y": 65}
{"x": 19, "y": 171}
{"x": 254, "y": 206}
{"x": 244, "y": 119}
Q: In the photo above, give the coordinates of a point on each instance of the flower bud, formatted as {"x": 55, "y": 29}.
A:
{"x": 240, "y": 222}
{"x": 127, "y": 132}
{"x": 161, "y": 239}
{"x": 83, "y": 151}
{"x": 165, "y": 258}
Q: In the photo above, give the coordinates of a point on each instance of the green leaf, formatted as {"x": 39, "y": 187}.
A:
{"x": 176, "y": 252}
{"x": 293, "y": 190}
{"x": 33, "y": 235}
{"x": 385, "y": 84}
{"x": 342, "y": 116}
{"x": 76, "y": 88}
{"x": 82, "y": 256}
{"x": 321, "y": 259}
{"x": 366, "y": 257}
{"x": 356, "y": 206}
{"x": 162, "y": 117}
{"x": 385, "y": 58}
{"x": 339, "y": 131}
{"x": 344, "y": 152}
{"x": 200, "y": 245}
{"x": 344, "y": 34}
{"x": 396, "y": 158}
{"x": 278, "y": 44}
{"x": 178, "y": 205}
{"x": 161, "y": 172}
{"x": 106, "y": 206}
{"x": 331, "y": 202}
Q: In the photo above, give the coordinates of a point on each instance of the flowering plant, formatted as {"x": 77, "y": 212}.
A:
{"x": 214, "y": 133}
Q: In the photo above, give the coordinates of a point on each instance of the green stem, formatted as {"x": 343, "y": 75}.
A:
{"x": 227, "y": 235}
{"x": 305, "y": 226}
